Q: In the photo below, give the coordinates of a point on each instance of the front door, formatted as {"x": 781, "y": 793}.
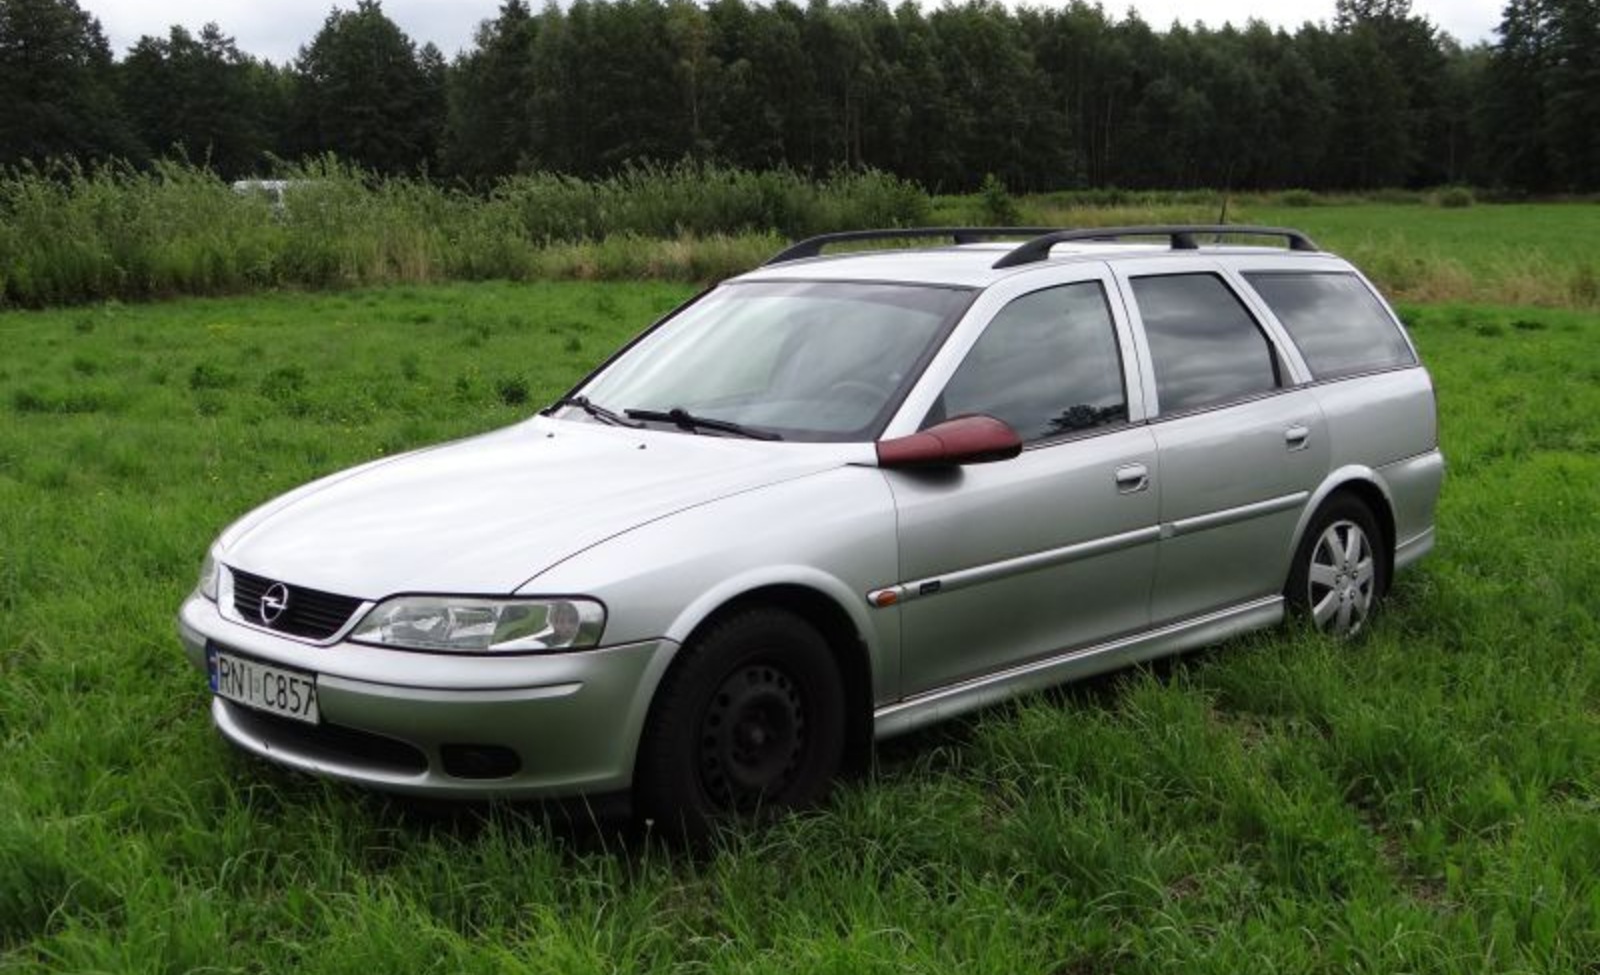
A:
{"x": 1008, "y": 562}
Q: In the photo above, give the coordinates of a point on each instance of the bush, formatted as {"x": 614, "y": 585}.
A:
{"x": 1396, "y": 197}
{"x": 1297, "y": 198}
{"x": 999, "y": 209}
{"x": 1584, "y": 288}
{"x": 512, "y": 390}
{"x": 1454, "y": 197}
{"x": 672, "y": 201}
{"x": 69, "y": 234}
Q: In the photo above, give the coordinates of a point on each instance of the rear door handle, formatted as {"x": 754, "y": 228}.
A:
{"x": 1297, "y": 436}
{"x": 1132, "y": 478}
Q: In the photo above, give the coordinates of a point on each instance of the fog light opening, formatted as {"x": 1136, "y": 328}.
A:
{"x": 479, "y": 761}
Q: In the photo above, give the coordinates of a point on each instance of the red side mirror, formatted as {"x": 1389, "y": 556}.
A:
{"x": 975, "y": 439}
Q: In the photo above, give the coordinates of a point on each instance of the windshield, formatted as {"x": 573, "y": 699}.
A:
{"x": 811, "y": 360}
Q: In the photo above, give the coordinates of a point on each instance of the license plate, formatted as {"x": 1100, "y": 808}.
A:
{"x": 265, "y": 687}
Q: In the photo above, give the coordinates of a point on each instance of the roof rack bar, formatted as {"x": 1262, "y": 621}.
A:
{"x": 1182, "y": 237}
{"x": 812, "y": 246}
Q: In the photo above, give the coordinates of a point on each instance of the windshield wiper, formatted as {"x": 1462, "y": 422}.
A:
{"x": 685, "y": 420}
{"x": 593, "y": 409}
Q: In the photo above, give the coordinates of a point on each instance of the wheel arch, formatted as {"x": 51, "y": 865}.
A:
{"x": 822, "y": 603}
{"x": 1365, "y": 485}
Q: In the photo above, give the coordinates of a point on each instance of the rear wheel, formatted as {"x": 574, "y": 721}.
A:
{"x": 1339, "y": 574}
{"x": 749, "y": 722}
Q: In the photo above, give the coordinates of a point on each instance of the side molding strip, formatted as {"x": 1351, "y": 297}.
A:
{"x": 968, "y": 695}
{"x": 977, "y": 575}
{"x": 1232, "y": 516}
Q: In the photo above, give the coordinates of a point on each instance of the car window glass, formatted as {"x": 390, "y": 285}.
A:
{"x": 1047, "y": 364}
{"x": 1205, "y": 347}
{"x": 811, "y": 360}
{"x": 1340, "y": 327}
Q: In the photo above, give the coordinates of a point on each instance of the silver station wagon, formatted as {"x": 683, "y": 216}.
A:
{"x": 832, "y": 500}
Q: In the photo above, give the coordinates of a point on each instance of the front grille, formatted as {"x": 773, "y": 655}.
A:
{"x": 307, "y": 613}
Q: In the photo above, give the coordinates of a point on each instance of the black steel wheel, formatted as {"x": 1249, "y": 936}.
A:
{"x": 749, "y": 722}
{"x": 753, "y": 738}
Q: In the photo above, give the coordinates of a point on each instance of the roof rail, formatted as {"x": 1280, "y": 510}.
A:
{"x": 812, "y": 246}
{"x": 1181, "y": 235}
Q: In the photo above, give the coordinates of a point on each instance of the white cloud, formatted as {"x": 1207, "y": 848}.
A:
{"x": 276, "y": 30}
{"x": 1469, "y": 21}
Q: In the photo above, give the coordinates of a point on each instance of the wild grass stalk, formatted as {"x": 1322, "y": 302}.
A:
{"x": 1425, "y": 800}
{"x": 70, "y": 235}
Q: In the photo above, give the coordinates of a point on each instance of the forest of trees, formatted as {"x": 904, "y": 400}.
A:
{"x": 1056, "y": 98}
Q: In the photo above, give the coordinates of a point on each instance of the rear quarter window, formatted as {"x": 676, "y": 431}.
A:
{"x": 1339, "y": 326}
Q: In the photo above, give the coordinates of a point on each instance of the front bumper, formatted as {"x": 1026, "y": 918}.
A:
{"x": 401, "y": 721}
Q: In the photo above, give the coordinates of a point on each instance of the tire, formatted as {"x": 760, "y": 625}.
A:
{"x": 1339, "y": 574}
{"x": 749, "y": 722}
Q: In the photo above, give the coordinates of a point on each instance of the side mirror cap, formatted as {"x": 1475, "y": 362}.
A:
{"x": 973, "y": 439}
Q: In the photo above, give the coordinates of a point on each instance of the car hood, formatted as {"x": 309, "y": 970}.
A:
{"x": 485, "y": 515}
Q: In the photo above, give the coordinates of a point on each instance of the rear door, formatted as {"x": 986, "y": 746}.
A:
{"x": 1008, "y": 562}
{"x": 1241, "y": 444}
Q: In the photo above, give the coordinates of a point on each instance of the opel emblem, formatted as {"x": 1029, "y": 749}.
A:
{"x": 273, "y": 602}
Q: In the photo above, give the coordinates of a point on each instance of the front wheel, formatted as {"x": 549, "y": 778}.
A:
{"x": 750, "y": 721}
{"x": 1338, "y": 576}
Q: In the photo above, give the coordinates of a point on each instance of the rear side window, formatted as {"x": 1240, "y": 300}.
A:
{"x": 1340, "y": 327}
{"x": 1206, "y": 348}
{"x": 1047, "y": 364}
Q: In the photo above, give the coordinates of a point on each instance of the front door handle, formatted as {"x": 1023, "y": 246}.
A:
{"x": 1297, "y": 436}
{"x": 1132, "y": 478}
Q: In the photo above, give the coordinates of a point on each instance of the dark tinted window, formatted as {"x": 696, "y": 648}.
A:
{"x": 1207, "y": 349}
{"x": 1337, "y": 323}
{"x": 1047, "y": 364}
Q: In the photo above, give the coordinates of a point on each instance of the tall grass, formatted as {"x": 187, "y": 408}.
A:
{"x": 69, "y": 234}
{"x": 1426, "y": 800}
{"x": 72, "y": 235}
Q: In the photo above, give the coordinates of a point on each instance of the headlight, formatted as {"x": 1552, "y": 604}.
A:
{"x": 208, "y": 576}
{"x": 463, "y": 624}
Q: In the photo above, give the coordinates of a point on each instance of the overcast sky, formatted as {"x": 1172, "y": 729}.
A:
{"x": 276, "y": 30}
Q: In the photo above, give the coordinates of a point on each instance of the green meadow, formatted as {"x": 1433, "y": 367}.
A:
{"x": 1416, "y": 249}
{"x": 1425, "y": 800}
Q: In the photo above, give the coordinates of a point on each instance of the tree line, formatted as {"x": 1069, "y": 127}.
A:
{"x": 1058, "y": 98}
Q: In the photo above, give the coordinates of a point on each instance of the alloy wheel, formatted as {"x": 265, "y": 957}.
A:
{"x": 1342, "y": 579}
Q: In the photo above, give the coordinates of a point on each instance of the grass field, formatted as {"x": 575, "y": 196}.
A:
{"x": 1510, "y": 254}
{"x": 1427, "y": 800}
{"x": 1518, "y": 254}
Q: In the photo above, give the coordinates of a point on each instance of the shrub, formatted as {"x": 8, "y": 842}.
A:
{"x": 282, "y": 384}
{"x": 1454, "y": 197}
{"x": 999, "y": 209}
{"x": 208, "y": 376}
{"x": 1395, "y": 196}
{"x": 70, "y": 234}
{"x": 512, "y": 390}
{"x": 1584, "y": 287}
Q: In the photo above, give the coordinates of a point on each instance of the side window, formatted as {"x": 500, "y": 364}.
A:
{"x": 1205, "y": 346}
{"x": 1047, "y": 364}
{"x": 1340, "y": 327}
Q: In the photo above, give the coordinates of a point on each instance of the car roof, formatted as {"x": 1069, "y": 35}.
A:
{"x": 972, "y": 265}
